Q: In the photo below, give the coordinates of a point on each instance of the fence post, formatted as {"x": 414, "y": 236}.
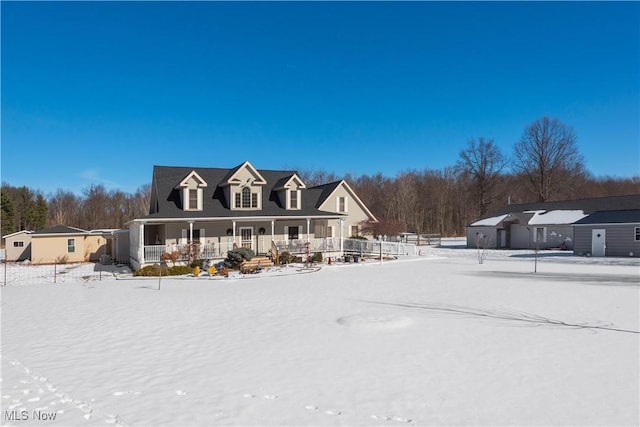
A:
{"x": 5, "y": 272}
{"x": 55, "y": 266}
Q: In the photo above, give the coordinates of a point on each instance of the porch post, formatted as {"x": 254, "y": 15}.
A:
{"x": 190, "y": 232}
{"x": 341, "y": 236}
{"x": 234, "y": 231}
{"x": 273, "y": 231}
{"x": 141, "y": 245}
{"x": 308, "y": 229}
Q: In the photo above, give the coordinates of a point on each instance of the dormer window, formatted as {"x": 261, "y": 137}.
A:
{"x": 294, "y": 199}
{"x": 289, "y": 191}
{"x": 193, "y": 199}
{"x": 192, "y": 192}
{"x": 246, "y": 199}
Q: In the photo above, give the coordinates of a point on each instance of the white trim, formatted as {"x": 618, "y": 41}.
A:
{"x": 246, "y": 165}
{"x": 16, "y": 233}
{"x": 287, "y": 184}
{"x": 193, "y": 174}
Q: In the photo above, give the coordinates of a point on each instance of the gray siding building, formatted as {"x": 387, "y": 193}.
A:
{"x": 547, "y": 225}
{"x": 608, "y": 233}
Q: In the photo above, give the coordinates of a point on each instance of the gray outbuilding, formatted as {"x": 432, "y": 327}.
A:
{"x": 608, "y": 233}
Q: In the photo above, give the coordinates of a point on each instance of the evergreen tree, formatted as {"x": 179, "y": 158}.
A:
{"x": 8, "y": 215}
{"x": 40, "y": 213}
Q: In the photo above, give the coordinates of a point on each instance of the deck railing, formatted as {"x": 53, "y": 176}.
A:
{"x": 354, "y": 246}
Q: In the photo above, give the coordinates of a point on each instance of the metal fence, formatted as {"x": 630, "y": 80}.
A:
{"x": 20, "y": 273}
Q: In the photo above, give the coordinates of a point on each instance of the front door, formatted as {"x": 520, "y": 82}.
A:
{"x": 246, "y": 237}
{"x": 598, "y": 242}
{"x": 502, "y": 238}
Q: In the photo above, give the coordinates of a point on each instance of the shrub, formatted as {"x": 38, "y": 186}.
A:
{"x": 62, "y": 259}
{"x": 236, "y": 257}
{"x": 316, "y": 257}
{"x": 197, "y": 263}
{"x": 154, "y": 270}
{"x": 150, "y": 270}
{"x": 286, "y": 258}
{"x": 179, "y": 270}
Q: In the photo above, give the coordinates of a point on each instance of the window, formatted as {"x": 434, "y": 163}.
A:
{"x": 637, "y": 234}
{"x": 539, "y": 234}
{"x": 246, "y": 197}
{"x": 20, "y": 243}
{"x": 293, "y": 199}
{"x": 354, "y": 231}
{"x": 71, "y": 245}
{"x": 342, "y": 204}
{"x": 193, "y": 199}
{"x": 293, "y": 233}
{"x": 329, "y": 232}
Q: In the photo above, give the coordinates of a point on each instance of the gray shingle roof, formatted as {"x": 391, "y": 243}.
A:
{"x": 166, "y": 201}
{"x": 61, "y": 229}
{"x": 631, "y": 201}
{"x": 629, "y": 216}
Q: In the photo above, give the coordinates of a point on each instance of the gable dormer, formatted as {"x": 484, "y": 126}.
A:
{"x": 289, "y": 192}
{"x": 191, "y": 191}
{"x": 243, "y": 188}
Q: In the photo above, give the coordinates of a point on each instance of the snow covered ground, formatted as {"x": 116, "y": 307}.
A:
{"x": 437, "y": 339}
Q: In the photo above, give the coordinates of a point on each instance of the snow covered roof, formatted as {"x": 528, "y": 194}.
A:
{"x": 490, "y": 222}
{"x": 557, "y": 217}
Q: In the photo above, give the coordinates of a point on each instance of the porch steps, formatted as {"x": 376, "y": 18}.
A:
{"x": 253, "y": 263}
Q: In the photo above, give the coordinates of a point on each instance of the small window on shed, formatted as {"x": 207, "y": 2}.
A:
{"x": 20, "y": 243}
{"x": 637, "y": 234}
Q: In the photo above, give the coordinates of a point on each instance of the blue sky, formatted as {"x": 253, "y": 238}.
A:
{"x": 99, "y": 92}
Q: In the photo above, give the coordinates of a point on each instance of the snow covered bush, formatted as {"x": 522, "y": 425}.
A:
{"x": 236, "y": 257}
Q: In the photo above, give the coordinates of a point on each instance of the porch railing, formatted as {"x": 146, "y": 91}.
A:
{"x": 153, "y": 253}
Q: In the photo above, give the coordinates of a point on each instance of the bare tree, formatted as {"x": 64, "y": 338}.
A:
{"x": 96, "y": 207}
{"x": 547, "y": 155}
{"x": 316, "y": 177}
{"x": 141, "y": 201}
{"x": 482, "y": 163}
{"x": 63, "y": 208}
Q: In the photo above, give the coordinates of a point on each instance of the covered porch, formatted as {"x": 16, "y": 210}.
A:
{"x": 212, "y": 238}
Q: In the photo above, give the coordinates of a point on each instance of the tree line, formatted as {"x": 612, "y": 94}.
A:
{"x": 545, "y": 165}
{"x": 97, "y": 208}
